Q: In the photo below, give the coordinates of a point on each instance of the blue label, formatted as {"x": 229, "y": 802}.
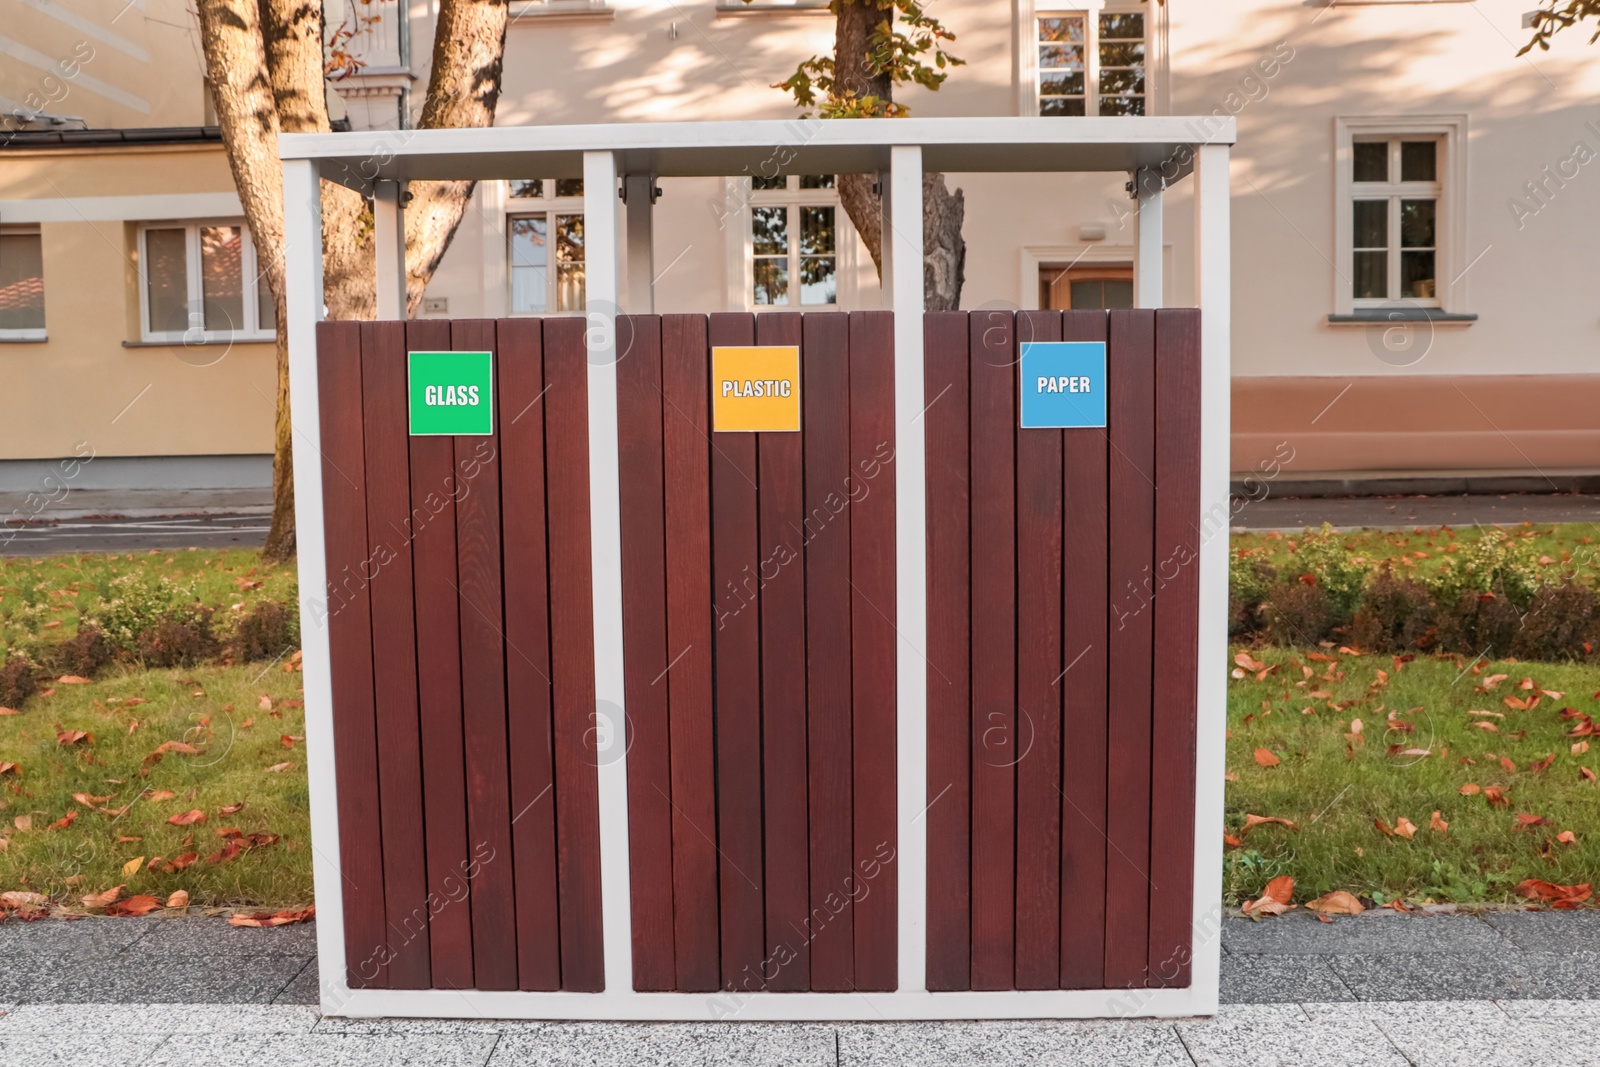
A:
{"x": 1063, "y": 384}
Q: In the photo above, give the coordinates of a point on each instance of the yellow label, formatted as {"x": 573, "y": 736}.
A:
{"x": 755, "y": 388}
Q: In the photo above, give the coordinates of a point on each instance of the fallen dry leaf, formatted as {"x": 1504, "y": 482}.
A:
{"x": 1580, "y": 747}
{"x": 280, "y": 766}
{"x": 1567, "y": 837}
{"x": 10, "y": 768}
{"x": 1471, "y": 789}
{"x": 231, "y": 809}
{"x": 89, "y": 800}
{"x": 131, "y": 868}
{"x": 178, "y": 899}
{"x": 1496, "y": 796}
{"x": 1337, "y": 902}
{"x": 228, "y": 852}
{"x": 65, "y": 821}
{"x": 1405, "y": 828}
{"x": 274, "y": 918}
{"x": 72, "y": 737}
{"x": 187, "y": 818}
{"x": 1438, "y": 823}
{"x": 159, "y": 795}
{"x": 100, "y": 900}
{"x": 139, "y": 904}
{"x": 1252, "y": 821}
{"x": 1275, "y": 898}
{"x": 1557, "y": 896}
{"x": 1266, "y": 758}
{"x": 9, "y": 711}
{"x": 265, "y": 703}
{"x": 20, "y": 899}
{"x": 1227, "y": 839}
{"x": 1527, "y": 821}
{"x": 72, "y": 679}
{"x": 1586, "y": 774}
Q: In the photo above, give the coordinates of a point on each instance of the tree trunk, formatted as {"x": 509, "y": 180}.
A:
{"x": 264, "y": 62}
{"x": 944, "y": 250}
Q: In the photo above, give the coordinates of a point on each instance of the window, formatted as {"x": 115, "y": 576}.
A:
{"x": 201, "y": 282}
{"x": 1395, "y": 220}
{"x": 794, "y": 241}
{"x": 21, "y": 286}
{"x": 1091, "y": 62}
{"x": 542, "y": 211}
{"x": 1399, "y": 217}
{"x": 1095, "y": 287}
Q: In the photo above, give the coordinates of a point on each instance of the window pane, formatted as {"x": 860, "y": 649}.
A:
{"x": 816, "y": 231}
{"x": 1061, "y": 83}
{"x": 1417, "y": 276}
{"x": 1372, "y": 224}
{"x": 1056, "y": 56}
{"x": 1122, "y": 105}
{"x": 766, "y": 184}
{"x": 1372, "y": 275}
{"x": 818, "y": 285}
{"x": 569, "y": 263}
{"x": 1372, "y": 161}
{"x": 531, "y": 187}
{"x": 1122, "y": 26}
{"x": 569, "y": 186}
{"x": 1121, "y": 82}
{"x": 222, "y": 277}
{"x": 266, "y": 313}
{"x": 166, "y": 272}
{"x": 1419, "y": 161}
{"x": 1060, "y": 105}
{"x": 1122, "y": 54}
{"x": 769, "y": 228}
{"x": 771, "y": 281}
{"x": 530, "y": 251}
{"x": 816, "y": 181}
{"x": 1416, "y": 223}
{"x": 21, "y": 282}
{"x": 1068, "y": 29}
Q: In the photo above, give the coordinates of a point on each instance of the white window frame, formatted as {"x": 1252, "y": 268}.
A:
{"x": 1450, "y": 131}
{"x": 30, "y": 333}
{"x": 250, "y": 281}
{"x": 793, "y": 198}
{"x": 1155, "y": 50}
{"x": 549, "y": 205}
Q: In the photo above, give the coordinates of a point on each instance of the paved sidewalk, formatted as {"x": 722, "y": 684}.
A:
{"x": 1516, "y": 989}
{"x": 1407, "y": 512}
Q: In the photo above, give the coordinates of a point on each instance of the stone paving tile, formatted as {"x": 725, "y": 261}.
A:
{"x": 1045, "y": 1043}
{"x": 304, "y": 989}
{"x": 1557, "y": 1009}
{"x": 1371, "y": 934}
{"x": 157, "y": 1019}
{"x": 188, "y": 980}
{"x": 1465, "y": 977}
{"x": 310, "y": 1050}
{"x": 680, "y": 1045}
{"x": 1262, "y": 979}
{"x": 1556, "y": 1044}
{"x": 1570, "y": 975}
{"x": 75, "y": 1050}
{"x": 62, "y": 938}
{"x": 330, "y": 1025}
{"x": 1548, "y": 931}
{"x": 1432, "y": 1012}
{"x": 23, "y": 977}
{"x": 1270, "y": 1043}
{"x": 213, "y": 936}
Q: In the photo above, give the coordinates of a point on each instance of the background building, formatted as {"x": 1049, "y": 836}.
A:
{"x": 1413, "y": 217}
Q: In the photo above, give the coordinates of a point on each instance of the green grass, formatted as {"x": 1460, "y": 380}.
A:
{"x": 1334, "y": 790}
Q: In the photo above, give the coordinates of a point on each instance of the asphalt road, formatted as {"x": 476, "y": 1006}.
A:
{"x": 134, "y": 535}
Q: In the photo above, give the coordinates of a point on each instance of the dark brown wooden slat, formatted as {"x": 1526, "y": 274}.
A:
{"x": 949, "y": 797}
{"x": 1177, "y": 574}
{"x": 388, "y": 482}
{"x": 1039, "y": 689}
{"x": 1084, "y": 706}
{"x": 483, "y": 688}
{"x": 349, "y": 621}
{"x": 433, "y": 530}
{"x": 572, "y": 653}
{"x": 1130, "y": 419}
{"x": 781, "y": 469}
{"x": 527, "y": 611}
{"x": 735, "y": 564}
{"x": 644, "y": 633}
{"x": 873, "y": 640}
{"x": 994, "y": 733}
{"x": 686, "y": 449}
{"x": 825, "y": 414}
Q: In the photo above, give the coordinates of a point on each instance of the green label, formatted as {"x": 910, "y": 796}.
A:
{"x": 451, "y": 393}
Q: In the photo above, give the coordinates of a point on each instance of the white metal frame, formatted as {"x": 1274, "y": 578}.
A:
{"x": 250, "y": 277}
{"x": 1027, "y": 45}
{"x": 899, "y": 150}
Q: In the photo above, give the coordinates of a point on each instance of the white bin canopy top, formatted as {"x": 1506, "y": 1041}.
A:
{"x": 1163, "y": 144}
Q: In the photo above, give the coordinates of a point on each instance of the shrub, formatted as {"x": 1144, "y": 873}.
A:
{"x": 1495, "y": 563}
{"x": 1395, "y": 613}
{"x": 83, "y": 654}
{"x": 1248, "y": 583}
{"x": 1563, "y": 622}
{"x": 1297, "y": 613}
{"x": 1327, "y": 562}
{"x": 18, "y": 679}
{"x": 266, "y": 630}
{"x": 1478, "y": 623}
{"x": 182, "y": 638}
